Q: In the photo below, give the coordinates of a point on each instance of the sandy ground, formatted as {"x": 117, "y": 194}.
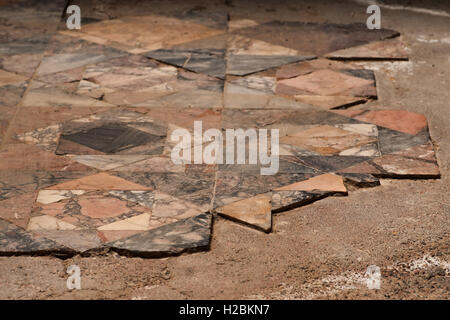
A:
{"x": 321, "y": 250}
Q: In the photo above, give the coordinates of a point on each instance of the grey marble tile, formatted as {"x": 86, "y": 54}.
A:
{"x": 241, "y": 65}
{"x": 208, "y": 61}
{"x": 14, "y": 240}
{"x": 392, "y": 141}
{"x": 191, "y": 234}
{"x": 287, "y": 200}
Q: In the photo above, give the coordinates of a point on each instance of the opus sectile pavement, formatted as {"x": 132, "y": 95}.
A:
{"x": 86, "y": 118}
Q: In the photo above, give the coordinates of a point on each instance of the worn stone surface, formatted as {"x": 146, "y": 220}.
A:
{"x": 87, "y": 118}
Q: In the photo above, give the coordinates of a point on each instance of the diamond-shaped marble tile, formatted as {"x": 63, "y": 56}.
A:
{"x": 112, "y": 138}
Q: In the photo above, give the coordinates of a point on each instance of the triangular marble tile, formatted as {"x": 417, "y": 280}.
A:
{"x": 283, "y": 200}
{"x": 399, "y": 120}
{"x": 53, "y": 97}
{"x": 254, "y": 211}
{"x": 99, "y": 181}
{"x": 107, "y": 162}
{"x": 65, "y": 61}
{"x": 392, "y": 141}
{"x": 138, "y": 223}
{"x": 324, "y": 182}
{"x": 390, "y": 49}
{"x": 241, "y": 65}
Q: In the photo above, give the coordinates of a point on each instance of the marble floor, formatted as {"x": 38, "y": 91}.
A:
{"x": 86, "y": 119}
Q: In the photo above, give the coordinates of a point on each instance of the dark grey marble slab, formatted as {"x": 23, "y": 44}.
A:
{"x": 14, "y": 240}
{"x": 392, "y": 141}
{"x": 190, "y": 234}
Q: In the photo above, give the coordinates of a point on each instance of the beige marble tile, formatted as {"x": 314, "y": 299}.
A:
{"x": 100, "y": 181}
{"x": 324, "y": 182}
{"x": 51, "y": 196}
{"x": 140, "y": 222}
{"x": 49, "y": 223}
{"x": 254, "y": 211}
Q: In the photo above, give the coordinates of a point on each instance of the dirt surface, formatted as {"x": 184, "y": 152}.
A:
{"x": 318, "y": 251}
